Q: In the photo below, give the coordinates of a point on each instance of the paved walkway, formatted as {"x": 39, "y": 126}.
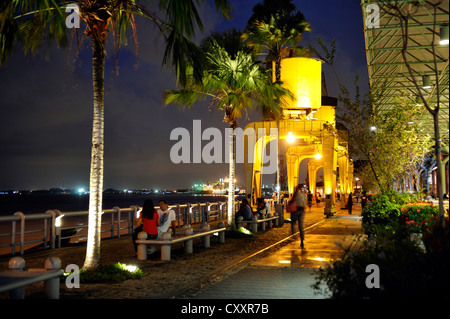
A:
{"x": 289, "y": 272}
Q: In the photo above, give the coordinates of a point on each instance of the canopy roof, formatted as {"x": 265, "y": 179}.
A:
{"x": 385, "y": 63}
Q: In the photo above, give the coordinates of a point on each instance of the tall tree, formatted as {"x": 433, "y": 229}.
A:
{"x": 389, "y": 142}
{"x": 405, "y": 14}
{"x": 235, "y": 83}
{"x": 29, "y": 22}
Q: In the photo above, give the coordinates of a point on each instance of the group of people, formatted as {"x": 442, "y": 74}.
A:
{"x": 154, "y": 221}
{"x": 246, "y": 212}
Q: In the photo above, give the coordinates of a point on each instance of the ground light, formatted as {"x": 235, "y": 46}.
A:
{"x": 110, "y": 273}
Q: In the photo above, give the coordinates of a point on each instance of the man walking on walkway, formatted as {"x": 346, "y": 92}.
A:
{"x": 299, "y": 215}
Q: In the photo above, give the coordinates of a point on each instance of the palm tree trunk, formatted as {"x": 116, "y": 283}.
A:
{"x": 278, "y": 181}
{"x": 232, "y": 172}
{"x": 96, "y": 175}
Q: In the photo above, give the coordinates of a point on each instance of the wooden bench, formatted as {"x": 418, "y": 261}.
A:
{"x": 166, "y": 241}
{"x": 17, "y": 278}
{"x": 253, "y": 224}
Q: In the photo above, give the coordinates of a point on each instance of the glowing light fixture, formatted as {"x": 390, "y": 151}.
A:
{"x": 130, "y": 268}
{"x": 318, "y": 156}
{"x": 443, "y": 33}
{"x": 291, "y": 138}
{"x": 426, "y": 82}
{"x": 58, "y": 220}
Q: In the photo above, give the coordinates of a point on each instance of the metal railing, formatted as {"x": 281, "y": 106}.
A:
{"x": 54, "y": 228}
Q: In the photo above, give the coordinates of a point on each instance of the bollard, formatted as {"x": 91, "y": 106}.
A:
{"x": 142, "y": 248}
{"x": 188, "y": 245}
{"x": 206, "y": 239}
{"x": 239, "y": 222}
{"x": 17, "y": 264}
{"x": 165, "y": 249}
{"x": 222, "y": 233}
{"x": 276, "y": 220}
{"x": 263, "y": 226}
{"x": 51, "y": 286}
{"x": 254, "y": 226}
{"x": 269, "y": 223}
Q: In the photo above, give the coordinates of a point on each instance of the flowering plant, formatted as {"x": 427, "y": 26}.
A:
{"x": 419, "y": 215}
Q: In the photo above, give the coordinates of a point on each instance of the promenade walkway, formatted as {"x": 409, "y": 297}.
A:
{"x": 283, "y": 272}
{"x": 289, "y": 272}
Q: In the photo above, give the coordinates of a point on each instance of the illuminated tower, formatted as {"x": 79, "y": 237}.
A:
{"x": 307, "y": 130}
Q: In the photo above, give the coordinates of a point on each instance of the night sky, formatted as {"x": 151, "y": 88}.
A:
{"x": 46, "y": 106}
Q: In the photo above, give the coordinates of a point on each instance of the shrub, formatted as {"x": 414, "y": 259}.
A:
{"x": 406, "y": 270}
{"x": 384, "y": 209}
{"x": 112, "y": 273}
{"x": 419, "y": 216}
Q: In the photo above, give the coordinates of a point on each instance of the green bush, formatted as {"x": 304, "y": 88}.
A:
{"x": 406, "y": 269}
{"x": 399, "y": 262}
{"x": 384, "y": 209}
{"x": 419, "y": 216}
{"x": 112, "y": 273}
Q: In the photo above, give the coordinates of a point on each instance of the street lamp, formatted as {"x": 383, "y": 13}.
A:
{"x": 290, "y": 138}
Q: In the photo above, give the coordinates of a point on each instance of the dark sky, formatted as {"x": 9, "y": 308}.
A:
{"x": 46, "y": 106}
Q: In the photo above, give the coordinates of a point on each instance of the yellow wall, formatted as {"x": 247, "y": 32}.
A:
{"x": 325, "y": 113}
{"x": 302, "y": 76}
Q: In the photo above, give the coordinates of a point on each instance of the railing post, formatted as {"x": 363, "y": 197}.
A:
{"x": 117, "y": 209}
{"x": 208, "y": 212}
{"x": 58, "y": 217}
{"x": 13, "y": 237}
{"x": 51, "y": 286}
{"x": 133, "y": 217}
{"x": 22, "y": 230}
{"x": 189, "y": 213}
{"x": 52, "y": 229}
{"x": 112, "y": 225}
{"x": 221, "y": 209}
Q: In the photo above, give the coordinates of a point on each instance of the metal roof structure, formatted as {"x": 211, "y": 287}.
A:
{"x": 387, "y": 69}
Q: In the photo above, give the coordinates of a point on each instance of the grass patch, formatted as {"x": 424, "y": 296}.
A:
{"x": 112, "y": 273}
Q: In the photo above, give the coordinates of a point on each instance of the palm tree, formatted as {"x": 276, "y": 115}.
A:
{"x": 29, "y": 22}
{"x": 274, "y": 28}
{"x": 236, "y": 83}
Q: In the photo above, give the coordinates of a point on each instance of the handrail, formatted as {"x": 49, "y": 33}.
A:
{"x": 56, "y": 224}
